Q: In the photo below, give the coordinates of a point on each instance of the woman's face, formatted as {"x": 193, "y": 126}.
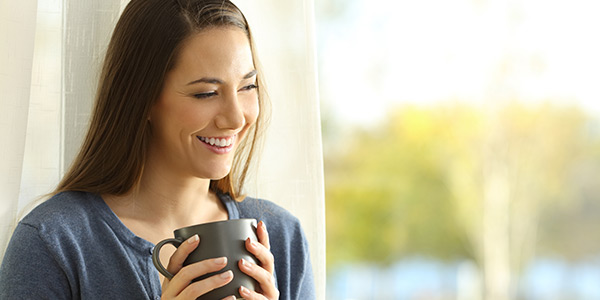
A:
{"x": 208, "y": 102}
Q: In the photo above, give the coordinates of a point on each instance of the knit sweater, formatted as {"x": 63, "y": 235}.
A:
{"x": 74, "y": 247}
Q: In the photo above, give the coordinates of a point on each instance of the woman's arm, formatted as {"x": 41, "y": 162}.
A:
{"x": 29, "y": 270}
{"x": 302, "y": 272}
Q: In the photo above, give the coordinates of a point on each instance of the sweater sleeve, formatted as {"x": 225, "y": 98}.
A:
{"x": 301, "y": 270}
{"x": 29, "y": 270}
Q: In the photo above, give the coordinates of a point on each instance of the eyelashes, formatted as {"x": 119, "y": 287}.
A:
{"x": 204, "y": 95}
{"x": 250, "y": 87}
{"x": 214, "y": 93}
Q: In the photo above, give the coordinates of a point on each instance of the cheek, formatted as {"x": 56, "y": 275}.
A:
{"x": 251, "y": 111}
{"x": 192, "y": 117}
{"x": 175, "y": 121}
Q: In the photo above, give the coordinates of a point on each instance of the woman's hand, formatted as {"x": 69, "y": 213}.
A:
{"x": 179, "y": 286}
{"x": 263, "y": 273}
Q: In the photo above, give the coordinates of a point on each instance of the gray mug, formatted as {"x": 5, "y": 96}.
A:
{"x": 217, "y": 239}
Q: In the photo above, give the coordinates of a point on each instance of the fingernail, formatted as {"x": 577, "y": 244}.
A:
{"x": 232, "y": 297}
{"x": 193, "y": 239}
{"x": 226, "y": 275}
{"x": 253, "y": 244}
{"x": 263, "y": 225}
{"x": 220, "y": 260}
{"x": 244, "y": 291}
{"x": 246, "y": 264}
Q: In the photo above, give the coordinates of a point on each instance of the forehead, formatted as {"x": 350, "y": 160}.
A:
{"x": 220, "y": 51}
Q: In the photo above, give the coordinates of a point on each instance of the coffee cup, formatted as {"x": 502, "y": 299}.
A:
{"x": 217, "y": 239}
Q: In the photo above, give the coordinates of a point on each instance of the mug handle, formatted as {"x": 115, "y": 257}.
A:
{"x": 156, "y": 256}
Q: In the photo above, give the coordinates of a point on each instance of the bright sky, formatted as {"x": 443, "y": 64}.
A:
{"x": 479, "y": 51}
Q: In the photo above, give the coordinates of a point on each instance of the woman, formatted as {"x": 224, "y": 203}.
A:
{"x": 177, "y": 115}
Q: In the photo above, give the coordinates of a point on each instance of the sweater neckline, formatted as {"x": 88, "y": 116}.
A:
{"x": 126, "y": 235}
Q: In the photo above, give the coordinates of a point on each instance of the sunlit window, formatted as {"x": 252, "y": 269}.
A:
{"x": 462, "y": 148}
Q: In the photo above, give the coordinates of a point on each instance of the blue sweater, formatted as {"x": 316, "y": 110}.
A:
{"x": 74, "y": 247}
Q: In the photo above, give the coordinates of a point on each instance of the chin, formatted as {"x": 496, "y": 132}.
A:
{"x": 219, "y": 177}
{"x": 215, "y": 174}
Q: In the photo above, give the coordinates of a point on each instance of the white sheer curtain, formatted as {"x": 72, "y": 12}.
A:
{"x": 291, "y": 168}
{"x": 51, "y": 51}
{"x": 17, "y": 33}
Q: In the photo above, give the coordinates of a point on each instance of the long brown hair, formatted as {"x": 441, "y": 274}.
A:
{"x": 143, "y": 48}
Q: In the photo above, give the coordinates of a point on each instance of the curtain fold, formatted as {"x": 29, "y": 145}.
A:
{"x": 42, "y": 146}
{"x": 88, "y": 26}
{"x": 17, "y": 33}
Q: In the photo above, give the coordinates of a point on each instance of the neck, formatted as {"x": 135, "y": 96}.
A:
{"x": 168, "y": 201}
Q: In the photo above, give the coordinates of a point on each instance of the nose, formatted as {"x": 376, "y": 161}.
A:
{"x": 231, "y": 114}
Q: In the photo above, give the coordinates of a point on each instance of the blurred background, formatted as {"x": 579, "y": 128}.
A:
{"x": 461, "y": 148}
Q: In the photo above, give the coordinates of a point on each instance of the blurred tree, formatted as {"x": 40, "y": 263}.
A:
{"x": 568, "y": 229}
{"x": 503, "y": 176}
{"x": 386, "y": 195}
{"x": 456, "y": 181}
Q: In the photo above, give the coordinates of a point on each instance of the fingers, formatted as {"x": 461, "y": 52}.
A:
{"x": 202, "y": 287}
{"x": 261, "y": 249}
{"x": 250, "y": 295}
{"x": 182, "y": 252}
{"x": 265, "y": 280}
{"x": 263, "y": 235}
{"x": 181, "y": 281}
{"x": 263, "y": 274}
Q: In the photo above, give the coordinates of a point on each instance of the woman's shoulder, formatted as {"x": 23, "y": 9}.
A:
{"x": 280, "y": 223}
{"x": 267, "y": 211}
{"x": 61, "y": 209}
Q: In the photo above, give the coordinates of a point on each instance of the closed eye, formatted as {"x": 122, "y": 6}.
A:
{"x": 204, "y": 95}
{"x": 249, "y": 87}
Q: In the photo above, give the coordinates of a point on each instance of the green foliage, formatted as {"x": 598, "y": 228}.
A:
{"x": 414, "y": 184}
{"x": 386, "y": 195}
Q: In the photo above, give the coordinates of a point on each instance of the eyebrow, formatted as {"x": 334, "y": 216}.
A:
{"x": 219, "y": 81}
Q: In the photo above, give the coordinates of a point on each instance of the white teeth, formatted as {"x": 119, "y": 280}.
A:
{"x": 217, "y": 142}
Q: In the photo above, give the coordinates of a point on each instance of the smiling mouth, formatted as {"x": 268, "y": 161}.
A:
{"x": 222, "y": 142}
